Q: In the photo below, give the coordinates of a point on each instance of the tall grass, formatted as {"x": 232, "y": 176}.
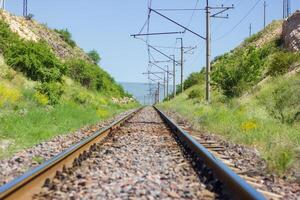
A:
{"x": 245, "y": 122}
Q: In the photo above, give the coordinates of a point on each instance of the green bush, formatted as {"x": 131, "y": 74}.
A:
{"x": 52, "y": 90}
{"x": 82, "y": 97}
{"x": 35, "y": 60}
{"x": 237, "y": 71}
{"x": 194, "y": 78}
{"x": 93, "y": 77}
{"x": 285, "y": 104}
{"x": 281, "y": 62}
{"x": 7, "y": 37}
{"x": 195, "y": 93}
{"x": 66, "y": 36}
{"x": 94, "y": 55}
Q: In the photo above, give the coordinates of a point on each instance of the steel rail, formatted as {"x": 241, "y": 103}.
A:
{"x": 25, "y": 186}
{"x": 238, "y": 188}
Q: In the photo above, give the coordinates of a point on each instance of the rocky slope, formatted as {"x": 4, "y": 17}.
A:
{"x": 291, "y": 32}
{"x": 32, "y": 30}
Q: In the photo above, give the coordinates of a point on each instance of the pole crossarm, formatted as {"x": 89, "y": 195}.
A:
{"x": 223, "y": 9}
{"x": 169, "y": 57}
{"x": 160, "y": 68}
{"x": 162, "y": 33}
{"x": 148, "y": 73}
{"x": 179, "y": 9}
{"x": 185, "y": 28}
{"x": 155, "y": 81}
{"x": 162, "y": 61}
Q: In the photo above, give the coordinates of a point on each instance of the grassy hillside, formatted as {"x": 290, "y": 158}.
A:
{"x": 43, "y": 94}
{"x": 255, "y": 99}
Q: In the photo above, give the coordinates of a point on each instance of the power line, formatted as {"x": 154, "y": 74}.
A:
{"x": 191, "y": 18}
{"x": 234, "y": 27}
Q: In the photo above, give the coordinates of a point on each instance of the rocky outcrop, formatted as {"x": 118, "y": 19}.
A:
{"x": 32, "y": 30}
{"x": 291, "y": 32}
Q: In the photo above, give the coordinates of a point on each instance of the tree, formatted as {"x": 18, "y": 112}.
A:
{"x": 94, "y": 55}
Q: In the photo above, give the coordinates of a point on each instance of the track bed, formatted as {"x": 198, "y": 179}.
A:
{"x": 141, "y": 160}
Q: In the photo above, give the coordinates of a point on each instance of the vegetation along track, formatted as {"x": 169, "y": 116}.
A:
{"x": 136, "y": 157}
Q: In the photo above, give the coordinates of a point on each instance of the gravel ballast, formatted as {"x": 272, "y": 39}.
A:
{"x": 141, "y": 160}
{"x": 24, "y": 160}
{"x": 246, "y": 159}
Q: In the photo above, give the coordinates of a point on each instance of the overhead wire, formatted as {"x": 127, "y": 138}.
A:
{"x": 239, "y": 22}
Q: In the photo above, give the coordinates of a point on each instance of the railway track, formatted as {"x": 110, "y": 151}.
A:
{"x": 145, "y": 156}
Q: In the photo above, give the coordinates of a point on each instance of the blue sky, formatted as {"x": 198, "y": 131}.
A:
{"x": 106, "y": 25}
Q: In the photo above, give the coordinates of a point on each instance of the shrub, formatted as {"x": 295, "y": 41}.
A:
{"x": 102, "y": 113}
{"x": 194, "y": 78}
{"x": 41, "y": 99}
{"x": 29, "y": 16}
{"x": 285, "y": 104}
{"x": 94, "y": 56}
{"x": 66, "y": 36}
{"x": 7, "y": 37}
{"x": 93, "y": 77}
{"x": 195, "y": 93}
{"x": 281, "y": 62}
{"x": 35, "y": 60}
{"x": 9, "y": 96}
{"x": 52, "y": 90}
{"x": 237, "y": 71}
{"x": 82, "y": 97}
{"x": 248, "y": 126}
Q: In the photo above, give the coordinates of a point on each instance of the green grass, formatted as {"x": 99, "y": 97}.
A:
{"x": 25, "y": 120}
{"x": 39, "y": 125}
{"x": 243, "y": 121}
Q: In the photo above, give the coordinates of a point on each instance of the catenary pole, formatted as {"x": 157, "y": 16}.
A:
{"x": 265, "y": 6}
{"x": 167, "y": 81}
{"x": 174, "y": 76}
{"x": 181, "y": 64}
{"x": 208, "y": 52}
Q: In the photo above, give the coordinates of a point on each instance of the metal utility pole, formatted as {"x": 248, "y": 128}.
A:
{"x": 283, "y": 8}
{"x": 250, "y": 30}
{"x": 164, "y": 86}
{"x": 174, "y": 76}
{"x": 167, "y": 81}
{"x": 2, "y": 4}
{"x": 25, "y": 11}
{"x": 158, "y": 88}
{"x": 286, "y": 8}
{"x": 208, "y": 9}
{"x": 181, "y": 63}
{"x": 265, "y": 6}
{"x": 208, "y": 52}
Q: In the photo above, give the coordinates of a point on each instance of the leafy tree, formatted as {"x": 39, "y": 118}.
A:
{"x": 94, "y": 55}
{"x": 66, "y": 36}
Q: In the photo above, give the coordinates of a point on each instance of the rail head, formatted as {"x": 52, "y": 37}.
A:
{"x": 27, "y": 179}
{"x": 238, "y": 188}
